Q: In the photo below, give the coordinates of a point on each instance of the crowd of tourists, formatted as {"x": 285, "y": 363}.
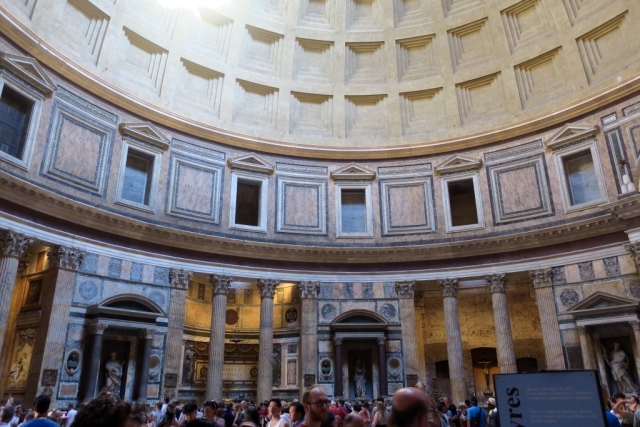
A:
{"x": 409, "y": 407}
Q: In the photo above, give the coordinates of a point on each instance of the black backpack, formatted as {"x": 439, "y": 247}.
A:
{"x": 475, "y": 421}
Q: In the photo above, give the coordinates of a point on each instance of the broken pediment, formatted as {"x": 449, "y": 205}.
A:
{"x": 28, "y": 70}
{"x": 251, "y": 162}
{"x": 353, "y": 171}
{"x": 145, "y": 132}
{"x": 570, "y": 133}
{"x": 457, "y": 163}
{"x": 603, "y": 303}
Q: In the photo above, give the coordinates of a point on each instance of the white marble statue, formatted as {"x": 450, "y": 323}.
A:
{"x": 359, "y": 379}
{"x": 113, "y": 374}
{"x": 619, "y": 367}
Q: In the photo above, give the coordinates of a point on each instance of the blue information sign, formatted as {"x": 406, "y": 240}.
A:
{"x": 548, "y": 399}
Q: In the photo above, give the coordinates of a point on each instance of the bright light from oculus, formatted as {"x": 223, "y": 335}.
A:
{"x": 193, "y": 6}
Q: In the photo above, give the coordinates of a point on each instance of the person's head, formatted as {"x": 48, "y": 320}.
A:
{"x": 463, "y": 409}
{"x": 285, "y": 408}
{"x": 341, "y": 402}
{"x": 166, "y": 400}
{"x": 105, "y": 410}
{"x": 41, "y": 404}
{"x": 190, "y": 410}
{"x": 55, "y": 416}
{"x": 159, "y": 406}
{"x": 467, "y": 403}
{"x": 30, "y": 415}
{"x": 209, "y": 409}
{"x": 633, "y": 403}
{"x": 474, "y": 401}
{"x": 296, "y": 411}
{"x": 18, "y": 410}
{"x": 252, "y": 415}
{"x": 220, "y": 412}
{"x": 380, "y": 407}
{"x": 316, "y": 405}
{"x": 357, "y": 407}
{"x": 491, "y": 402}
{"x": 275, "y": 405}
{"x": 411, "y": 408}
{"x": 441, "y": 407}
{"x": 69, "y": 406}
{"x": 447, "y": 401}
{"x": 617, "y": 397}
{"x": 7, "y": 414}
{"x": 353, "y": 420}
{"x": 366, "y": 405}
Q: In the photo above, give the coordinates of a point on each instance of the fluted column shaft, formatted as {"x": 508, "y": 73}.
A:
{"x": 412, "y": 364}
{"x": 12, "y": 247}
{"x": 586, "y": 347}
{"x": 267, "y": 290}
{"x": 636, "y": 351}
{"x": 142, "y": 370}
{"x": 91, "y": 362}
{"x": 175, "y": 331}
{"x": 457, "y": 376}
{"x": 548, "y": 318}
{"x": 215, "y": 367}
{"x": 308, "y": 348}
{"x": 506, "y": 353}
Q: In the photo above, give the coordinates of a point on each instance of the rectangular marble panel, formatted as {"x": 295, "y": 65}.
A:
{"x": 614, "y": 287}
{"x": 407, "y": 206}
{"x": 301, "y": 205}
{"x": 194, "y": 189}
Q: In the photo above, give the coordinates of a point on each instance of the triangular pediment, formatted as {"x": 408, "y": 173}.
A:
{"x": 28, "y": 70}
{"x": 251, "y": 161}
{"x": 353, "y": 171}
{"x": 458, "y": 162}
{"x": 570, "y": 133}
{"x": 145, "y": 132}
{"x": 602, "y": 302}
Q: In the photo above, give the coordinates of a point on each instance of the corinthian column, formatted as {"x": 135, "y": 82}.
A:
{"x": 506, "y": 355}
{"x": 179, "y": 284}
{"x": 308, "y": 349}
{"x": 449, "y": 289}
{"x": 413, "y": 367}
{"x": 221, "y": 285}
{"x": 586, "y": 348}
{"x": 267, "y": 289}
{"x": 636, "y": 351}
{"x": 548, "y": 318}
{"x": 634, "y": 249}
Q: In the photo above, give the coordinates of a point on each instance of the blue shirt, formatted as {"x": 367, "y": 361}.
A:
{"x": 40, "y": 422}
{"x": 473, "y": 413}
{"x": 612, "y": 421}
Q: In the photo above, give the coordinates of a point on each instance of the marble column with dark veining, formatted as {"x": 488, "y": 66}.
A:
{"x": 308, "y": 349}
{"x": 267, "y": 290}
{"x": 412, "y": 365}
{"x": 506, "y": 354}
{"x": 586, "y": 347}
{"x": 382, "y": 365}
{"x": 12, "y": 246}
{"x": 457, "y": 375}
{"x": 91, "y": 362}
{"x": 142, "y": 367}
{"x": 215, "y": 367}
{"x": 635, "y": 325}
{"x": 179, "y": 280}
{"x": 548, "y": 318}
{"x": 338, "y": 379}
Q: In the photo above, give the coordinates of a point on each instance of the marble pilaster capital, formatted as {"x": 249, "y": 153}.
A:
{"x": 180, "y": 278}
{"x": 541, "y": 278}
{"x": 381, "y": 341}
{"x": 65, "y": 257}
{"x": 337, "y": 341}
{"x": 97, "y": 328}
{"x": 13, "y": 244}
{"x": 448, "y": 287}
{"x": 221, "y": 284}
{"x": 634, "y": 249}
{"x": 267, "y": 288}
{"x": 406, "y": 289}
{"x": 309, "y": 289}
{"x": 147, "y": 334}
{"x": 583, "y": 330}
{"x": 635, "y": 324}
{"x": 496, "y": 282}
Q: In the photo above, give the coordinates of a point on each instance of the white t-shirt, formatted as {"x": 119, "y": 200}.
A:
{"x": 71, "y": 415}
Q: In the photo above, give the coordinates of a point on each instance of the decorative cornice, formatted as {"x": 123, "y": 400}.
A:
{"x": 146, "y": 132}
{"x": 570, "y": 133}
{"x": 252, "y": 162}
{"x": 457, "y": 163}
{"x": 267, "y": 287}
{"x": 448, "y": 287}
{"x": 541, "y": 278}
{"x": 353, "y": 171}
{"x": 180, "y": 278}
{"x": 221, "y": 284}
{"x": 28, "y": 70}
{"x": 309, "y": 289}
{"x": 13, "y": 244}
{"x": 64, "y": 257}
{"x": 406, "y": 289}
{"x": 496, "y": 283}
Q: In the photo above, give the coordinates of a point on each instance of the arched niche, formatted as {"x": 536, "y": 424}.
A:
{"x": 127, "y": 308}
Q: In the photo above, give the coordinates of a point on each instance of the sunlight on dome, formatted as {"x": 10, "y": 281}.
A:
{"x": 193, "y": 6}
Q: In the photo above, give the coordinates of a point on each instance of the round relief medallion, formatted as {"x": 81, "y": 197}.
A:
{"x": 569, "y": 297}
{"x": 388, "y": 311}
{"x": 328, "y": 311}
{"x": 291, "y": 315}
{"x": 231, "y": 317}
{"x": 88, "y": 290}
{"x": 157, "y": 297}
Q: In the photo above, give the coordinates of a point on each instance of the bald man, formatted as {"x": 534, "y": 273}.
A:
{"x": 412, "y": 407}
{"x": 353, "y": 420}
{"x": 316, "y": 406}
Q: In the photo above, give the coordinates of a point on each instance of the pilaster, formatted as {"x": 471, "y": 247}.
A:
{"x": 179, "y": 280}
{"x": 308, "y": 349}
{"x": 506, "y": 355}
{"x": 548, "y": 318}
{"x": 414, "y": 367}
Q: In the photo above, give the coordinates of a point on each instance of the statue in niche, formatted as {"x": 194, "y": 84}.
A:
{"x": 187, "y": 366}
{"x": 72, "y": 363}
{"x": 619, "y": 367}
{"x": 113, "y": 374}
{"x": 359, "y": 379}
{"x": 277, "y": 351}
{"x": 17, "y": 372}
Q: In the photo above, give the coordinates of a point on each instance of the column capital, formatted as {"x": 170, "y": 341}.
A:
{"x": 147, "y": 334}
{"x": 635, "y": 324}
{"x": 221, "y": 284}
{"x": 583, "y": 330}
{"x": 267, "y": 288}
{"x": 13, "y": 244}
{"x": 634, "y": 249}
{"x": 66, "y": 257}
{"x": 448, "y": 287}
{"x": 381, "y": 340}
{"x": 97, "y": 328}
{"x": 496, "y": 282}
{"x": 406, "y": 289}
{"x": 541, "y": 278}
{"x": 337, "y": 341}
{"x": 180, "y": 278}
{"x": 309, "y": 289}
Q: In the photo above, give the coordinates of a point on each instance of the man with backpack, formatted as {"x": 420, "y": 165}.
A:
{"x": 476, "y": 416}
